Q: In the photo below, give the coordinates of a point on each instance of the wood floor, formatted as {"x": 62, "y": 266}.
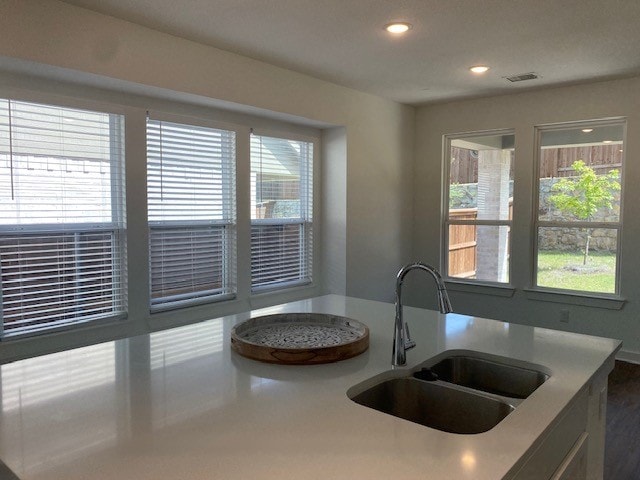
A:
{"x": 622, "y": 452}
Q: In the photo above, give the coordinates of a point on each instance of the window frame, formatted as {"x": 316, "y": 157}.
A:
{"x": 230, "y": 254}
{"x": 309, "y": 225}
{"x": 118, "y": 224}
{"x": 446, "y": 221}
{"x": 535, "y": 291}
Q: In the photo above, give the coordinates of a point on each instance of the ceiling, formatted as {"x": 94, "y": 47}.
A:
{"x": 343, "y": 41}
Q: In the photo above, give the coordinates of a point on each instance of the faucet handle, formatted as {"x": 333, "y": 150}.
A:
{"x": 408, "y": 343}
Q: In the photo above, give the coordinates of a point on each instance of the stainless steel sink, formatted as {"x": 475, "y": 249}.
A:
{"x": 435, "y": 405}
{"x": 456, "y": 391}
{"x": 489, "y": 376}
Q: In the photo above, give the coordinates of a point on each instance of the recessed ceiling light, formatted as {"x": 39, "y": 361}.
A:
{"x": 607, "y": 141}
{"x": 398, "y": 27}
{"x": 479, "y": 69}
{"x": 587, "y": 130}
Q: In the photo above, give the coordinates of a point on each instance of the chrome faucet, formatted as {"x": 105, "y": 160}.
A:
{"x": 401, "y": 337}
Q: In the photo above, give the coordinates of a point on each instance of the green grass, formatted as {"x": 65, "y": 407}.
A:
{"x": 565, "y": 270}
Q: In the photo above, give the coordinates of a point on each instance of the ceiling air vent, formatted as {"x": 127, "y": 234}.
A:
{"x": 522, "y": 77}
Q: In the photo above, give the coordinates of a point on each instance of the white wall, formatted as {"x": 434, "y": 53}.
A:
{"x": 86, "y": 47}
{"x": 522, "y": 112}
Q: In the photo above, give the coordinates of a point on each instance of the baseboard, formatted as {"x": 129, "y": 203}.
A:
{"x": 626, "y": 356}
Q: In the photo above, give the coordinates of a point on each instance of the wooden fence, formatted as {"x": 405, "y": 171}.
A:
{"x": 464, "y": 166}
{"x": 555, "y": 162}
{"x": 462, "y": 244}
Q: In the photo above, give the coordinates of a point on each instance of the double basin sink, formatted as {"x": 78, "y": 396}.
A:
{"x": 455, "y": 392}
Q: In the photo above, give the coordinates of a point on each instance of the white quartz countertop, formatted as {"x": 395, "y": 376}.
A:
{"x": 179, "y": 404}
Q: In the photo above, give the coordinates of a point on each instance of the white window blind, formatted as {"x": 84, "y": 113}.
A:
{"x": 281, "y": 212}
{"x": 191, "y": 203}
{"x": 61, "y": 216}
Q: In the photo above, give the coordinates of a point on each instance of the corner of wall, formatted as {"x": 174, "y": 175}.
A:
{"x": 333, "y": 239}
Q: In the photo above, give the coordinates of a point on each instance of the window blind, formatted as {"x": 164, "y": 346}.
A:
{"x": 281, "y": 212}
{"x": 191, "y": 207}
{"x": 61, "y": 216}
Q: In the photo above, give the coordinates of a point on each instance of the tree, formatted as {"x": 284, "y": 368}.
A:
{"x": 456, "y": 195}
{"x": 584, "y": 194}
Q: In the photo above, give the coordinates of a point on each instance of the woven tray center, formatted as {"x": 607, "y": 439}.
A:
{"x": 301, "y": 336}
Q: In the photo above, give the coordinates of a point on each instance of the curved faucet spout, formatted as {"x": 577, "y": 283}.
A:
{"x": 401, "y": 339}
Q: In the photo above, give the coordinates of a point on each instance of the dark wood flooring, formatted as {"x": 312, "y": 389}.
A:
{"x": 622, "y": 451}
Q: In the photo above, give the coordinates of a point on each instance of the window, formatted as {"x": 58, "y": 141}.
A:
{"x": 281, "y": 212}
{"x": 191, "y": 208}
{"x": 579, "y": 217}
{"x": 478, "y": 206}
{"x": 61, "y": 216}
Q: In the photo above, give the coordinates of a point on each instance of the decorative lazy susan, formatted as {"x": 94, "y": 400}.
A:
{"x": 300, "y": 338}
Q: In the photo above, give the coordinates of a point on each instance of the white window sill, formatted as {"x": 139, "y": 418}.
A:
{"x": 63, "y": 329}
{"x": 192, "y": 302}
{"x": 497, "y": 290}
{"x": 610, "y": 302}
{"x": 282, "y": 287}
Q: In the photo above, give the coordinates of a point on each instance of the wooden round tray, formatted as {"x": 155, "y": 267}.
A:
{"x": 300, "y": 338}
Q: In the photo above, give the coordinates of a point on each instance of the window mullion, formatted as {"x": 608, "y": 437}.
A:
{"x": 497, "y": 223}
{"x": 576, "y": 224}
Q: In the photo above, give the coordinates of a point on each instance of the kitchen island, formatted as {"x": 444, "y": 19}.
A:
{"x": 179, "y": 404}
